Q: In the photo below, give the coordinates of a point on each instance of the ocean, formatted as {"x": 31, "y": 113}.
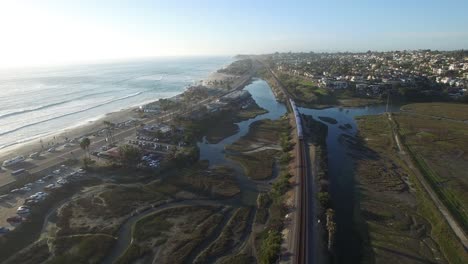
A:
{"x": 38, "y": 102}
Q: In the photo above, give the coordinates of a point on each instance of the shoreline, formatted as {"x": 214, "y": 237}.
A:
{"x": 90, "y": 125}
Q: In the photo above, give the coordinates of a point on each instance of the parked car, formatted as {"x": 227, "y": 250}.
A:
{"x": 23, "y": 210}
{"x": 4, "y": 230}
{"x": 15, "y": 219}
{"x": 24, "y": 189}
{"x": 50, "y": 187}
{"x": 48, "y": 177}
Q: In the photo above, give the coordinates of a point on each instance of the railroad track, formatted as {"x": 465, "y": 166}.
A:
{"x": 302, "y": 237}
{"x": 302, "y": 232}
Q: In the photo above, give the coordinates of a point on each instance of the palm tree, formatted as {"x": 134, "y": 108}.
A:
{"x": 110, "y": 126}
{"x": 84, "y": 144}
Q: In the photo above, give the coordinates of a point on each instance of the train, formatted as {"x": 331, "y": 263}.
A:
{"x": 297, "y": 116}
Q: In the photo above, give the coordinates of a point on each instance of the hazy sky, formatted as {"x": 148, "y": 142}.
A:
{"x": 60, "y": 31}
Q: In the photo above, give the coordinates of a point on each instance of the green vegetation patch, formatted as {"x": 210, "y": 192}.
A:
{"x": 445, "y": 110}
{"x": 29, "y": 231}
{"x": 35, "y": 253}
{"x": 176, "y": 232}
{"x": 81, "y": 249}
{"x": 440, "y": 150}
{"x": 258, "y": 165}
{"x": 230, "y": 237}
{"x": 219, "y": 125}
{"x": 217, "y": 182}
{"x": 395, "y": 224}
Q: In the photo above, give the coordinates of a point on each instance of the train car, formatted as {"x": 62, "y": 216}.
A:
{"x": 297, "y": 116}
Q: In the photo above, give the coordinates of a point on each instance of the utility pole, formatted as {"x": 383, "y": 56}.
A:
{"x": 388, "y": 96}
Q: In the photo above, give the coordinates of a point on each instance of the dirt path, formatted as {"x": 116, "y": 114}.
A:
{"x": 125, "y": 232}
{"x": 456, "y": 228}
{"x": 262, "y": 148}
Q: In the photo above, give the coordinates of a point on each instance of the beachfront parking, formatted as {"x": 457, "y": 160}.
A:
{"x": 18, "y": 204}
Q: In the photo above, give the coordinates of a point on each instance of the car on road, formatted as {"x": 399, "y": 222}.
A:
{"x": 34, "y": 155}
{"x": 4, "y": 230}
{"x": 40, "y": 181}
{"x": 81, "y": 171}
{"x": 51, "y": 150}
{"x": 56, "y": 172}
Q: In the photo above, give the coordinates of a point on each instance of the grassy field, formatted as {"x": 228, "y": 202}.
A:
{"x": 35, "y": 253}
{"x": 259, "y": 149}
{"x": 440, "y": 150}
{"x": 81, "y": 249}
{"x": 230, "y": 237}
{"x": 258, "y": 165}
{"x": 175, "y": 232}
{"x": 217, "y": 126}
{"x": 306, "y": 91}
{"x": 29, "y": 231}
{"x": 397, "y": 220}
{"x": 263, "y": 132}
{"x": 217, "y": 182}
{"x": 358, "y": 102}
{"x": 445, "y": 110}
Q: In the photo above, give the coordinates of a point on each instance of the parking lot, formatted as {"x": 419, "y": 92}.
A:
{"x": 16, "y": 205}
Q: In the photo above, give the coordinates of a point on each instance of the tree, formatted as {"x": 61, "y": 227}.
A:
{"x": 110, "y": 127}
{"x": 84, "y": 144}
{"x": 130, "y": 156}
{"x": 270, "y": 247}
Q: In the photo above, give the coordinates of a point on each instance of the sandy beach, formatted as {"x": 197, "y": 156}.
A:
{"x": 91, "y": 127}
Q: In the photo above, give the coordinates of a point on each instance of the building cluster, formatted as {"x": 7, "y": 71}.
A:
{"x": 374, "y": 73}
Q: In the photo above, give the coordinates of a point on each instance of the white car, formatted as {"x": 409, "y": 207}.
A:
{"x": 61, "y": 181}
{"x": 40, "y": 181}
{"x": 25, "y": 189}
{"x": 50, "y": 187}
{"x": 56, "y": 172}
{"x": 15, "y": 191}
{"x": 23, "y": 210}
{"x": 81, "y": 171}
{"x": 51, "y": 150}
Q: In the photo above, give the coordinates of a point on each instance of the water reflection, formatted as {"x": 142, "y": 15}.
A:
{"x": 214, "y": 153}
{"x": 341, "y": 173}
